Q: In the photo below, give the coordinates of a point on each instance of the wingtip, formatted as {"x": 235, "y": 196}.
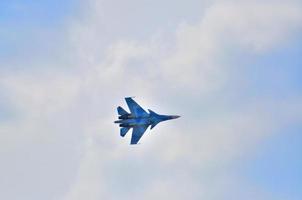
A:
{"x": 129, "y": 97}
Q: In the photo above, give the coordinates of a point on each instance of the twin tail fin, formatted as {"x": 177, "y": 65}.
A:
{"x": 122, "y": 111}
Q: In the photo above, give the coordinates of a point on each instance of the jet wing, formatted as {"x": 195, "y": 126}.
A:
{"x": 135, "y": 109}
{"x": 137, "y": 133}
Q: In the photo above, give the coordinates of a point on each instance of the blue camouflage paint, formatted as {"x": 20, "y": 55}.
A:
{"x": 138, "y": 119}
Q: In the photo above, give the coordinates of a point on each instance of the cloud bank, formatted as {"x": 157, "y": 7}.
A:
{"x": 69, "y": 111}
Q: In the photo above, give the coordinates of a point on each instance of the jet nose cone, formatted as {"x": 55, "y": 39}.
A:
{"x": 175, "y": 116}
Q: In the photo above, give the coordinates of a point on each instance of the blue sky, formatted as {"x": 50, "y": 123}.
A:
{"x": 276, "y": 165}
{"x": 231, "y": 70}
{"x": 28, "y": 12}
{"x": 30, "y": 27}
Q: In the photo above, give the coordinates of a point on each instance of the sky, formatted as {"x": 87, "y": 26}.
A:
{"x": 231, "y": 69}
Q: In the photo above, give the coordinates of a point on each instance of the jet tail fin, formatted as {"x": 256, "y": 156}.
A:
{"x": 124, "y": 130}
{"x": 121, "y": 111}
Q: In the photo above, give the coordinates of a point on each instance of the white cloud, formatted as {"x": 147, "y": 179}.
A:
{"x": 226, "y": 28}
{"x": 175, "y": 159}
{"x": 195, "y": 64}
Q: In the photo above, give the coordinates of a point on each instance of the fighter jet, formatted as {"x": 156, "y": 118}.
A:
{"x": 138, "y": 119}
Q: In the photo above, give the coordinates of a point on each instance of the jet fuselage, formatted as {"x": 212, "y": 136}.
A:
{"x": 138, "y": 120}
{"x": 152, "y": 120}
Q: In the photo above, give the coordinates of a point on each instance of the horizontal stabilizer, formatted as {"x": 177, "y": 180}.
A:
{"x": 124, "y": 130}
{"x": 122, "y": 111}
